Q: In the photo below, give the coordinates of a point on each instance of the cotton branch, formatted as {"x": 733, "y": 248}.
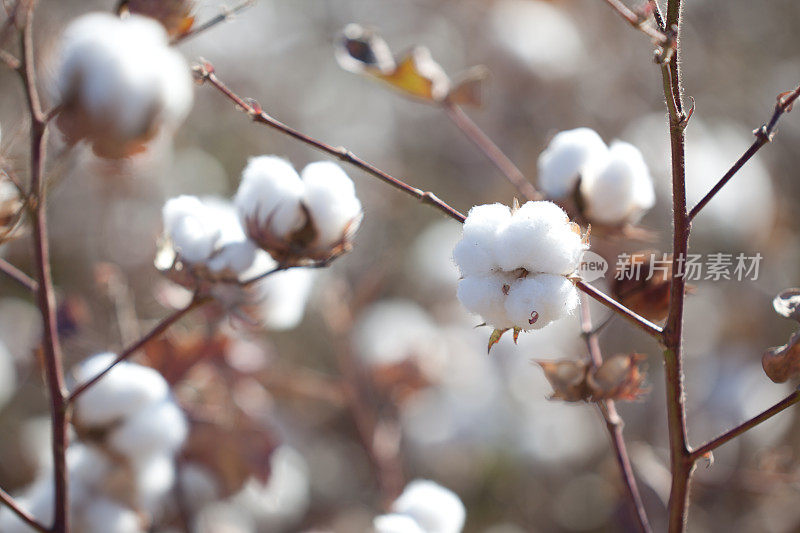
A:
{"x": 614, "y": 423}
{"x": 18, "y": 275}
{"x": 204, "y": 72}
{"x": 764, "y": 134}
{"x": 511, "y": 172}
{"x": 787, "y": 402}
{"x": 639, "y": 21}
{"x": 24, "y": 515}
{"x": 637, "y": 320}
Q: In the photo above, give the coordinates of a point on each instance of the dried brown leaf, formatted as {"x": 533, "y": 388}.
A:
{"x": 568, "y": 379}
{"x": 782, "y": 363}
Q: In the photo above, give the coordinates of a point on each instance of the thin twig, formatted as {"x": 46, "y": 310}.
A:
{"x": 713, "y": 444}
{"x": 205, "y": 72}
{"x": 640, "y": 322}
{"x": 478, "y": 137}
{"x": 614, "y": 424}
{"x": 18, "y": 275}
{"x": 158, "y": 329}
{"x": 24, "y": 515}
{"x": 45, "y": 296}
{"x": 226, "y": 15}
{"x": 638, "y": 22}
{"x": 764, "y": 134}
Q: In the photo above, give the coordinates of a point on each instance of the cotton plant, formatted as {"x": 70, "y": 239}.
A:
{"x": 611, "y": 185}
{"x": 423, "y": 507}
{"x": 119, "y": 83}
{"x": 121, "y": 466}
{"x": 516, "y": 265}
{"x": 297, "y": 218}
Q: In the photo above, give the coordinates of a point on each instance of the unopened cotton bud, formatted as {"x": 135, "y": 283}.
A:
{"x": 123, "y": 391}
{"x": 620, "y": 190}
{"x": 296, "y": 219}
{"x": 561, "y": 164}
{"x": 120, "y": 83}
{"x": 435, "y": 508}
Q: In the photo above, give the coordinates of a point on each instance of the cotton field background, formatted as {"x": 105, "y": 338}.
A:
{"x": 340, "y": 385}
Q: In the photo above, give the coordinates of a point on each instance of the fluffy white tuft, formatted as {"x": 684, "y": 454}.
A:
{"x": 191, "y": 228}
{"x": 124, "y": 391}
{"x": 474, "y": 254}
{"x": 563, "y": 161}
{"x": 621, "y": 190}
{"x": 484, "y": 295}
{"x": 540, "y": 300}
{"x": 158, "y": 428}
{"x": 270, "y": 194}
{"x": 330, "y": 197}
{"x": 102, "y": 515}
{"x": 435, "y": 508}
{"x": 396, "y": 523}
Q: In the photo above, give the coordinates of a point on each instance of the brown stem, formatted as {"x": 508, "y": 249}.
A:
{"x": 23, "y": 515}
{"x": 222, "y": 17}
{"x": 637, "y": 320}
{"x": 764, "y": 134}
{"x": 638, "y": 22}
{"x": 713, "y": 444}
{"x": 45, "y": 296}
{"x": 478, "y": 137}
{"x": 18, "y": 275}
{"x": 614, "y": 424}
{"x": 681, "y": 462}
{"x": 161, "y": 327}
{"x": 205, "y": 72}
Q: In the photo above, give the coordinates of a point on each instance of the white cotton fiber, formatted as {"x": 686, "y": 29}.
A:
{"x": 190, "y": 226}
{"x": 536, "y": 301}
{"x": 396, "y": 523}
{"x": 123, "y": 391}
{"x": 484, "y": 295}
{"x": 621, "y": 189}
{"x": 562, "y": 162}
{"x": 102, "y": 515}
{"x": 474, "y": 254}
{"x": 330, "y": 197}
{"x": 270, "y": 193}
{"x": 157, "y": 429}
{"x": 435, "y": 508}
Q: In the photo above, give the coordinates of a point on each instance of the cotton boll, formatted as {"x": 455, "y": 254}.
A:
{"x": 541, "y": 300}
{"x": 120, "y": 82}
{"x": 331, "y": 200}
{"x": 388, "y": 332}
{"x": 621, "y": 189}
{"x": 88, "y": 465}
{"x": 154, "y": 478}
{"x": 484, "y": 295}
{"x": 562, "y": 162}
{"x": 269, "y": 194}
{"x": 435, "y": 508}
{"x": 539, "y": 238}
{"x": 125, "y": 390}
{"x": 539, "y": 35}
{"x": 396, "y": 523}
{"x": 191, "y": 228}
{"x": 102, "y": 515}
{"x": 473, "y": 254}
{"x": 157, "y": 428}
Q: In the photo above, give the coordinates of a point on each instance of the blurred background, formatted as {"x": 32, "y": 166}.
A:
{"x": 383, "y": 347}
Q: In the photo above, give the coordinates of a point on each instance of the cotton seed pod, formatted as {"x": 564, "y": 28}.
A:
{"x": 568, "y": 379}
{"x": 174, "y": 15}
{"x": 618, "y": 378}
{"x": 298, "y": 219}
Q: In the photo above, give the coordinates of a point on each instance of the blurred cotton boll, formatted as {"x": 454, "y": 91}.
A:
{"x": 294, "y": 218}
{"x": 620, "y": 190}
{"x": 539, "y": 35}
{"x": 561, "y": 164}
{"x": 432, "y": 507}
{"x": 8, "y": 374}
{"x": 120, "y": 83}
{"x": 396, "y": 523}
{"x": 515, "y": 262}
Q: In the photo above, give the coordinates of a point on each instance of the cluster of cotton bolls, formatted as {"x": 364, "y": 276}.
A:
{"x": 515, "y": 264}
{"x": 278, "y": 218}
{"x": 423, "y": 507}
{"x": 119, "y": 83}
{"x": 613, "y": 182}
{"x": 129, "y": 430}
